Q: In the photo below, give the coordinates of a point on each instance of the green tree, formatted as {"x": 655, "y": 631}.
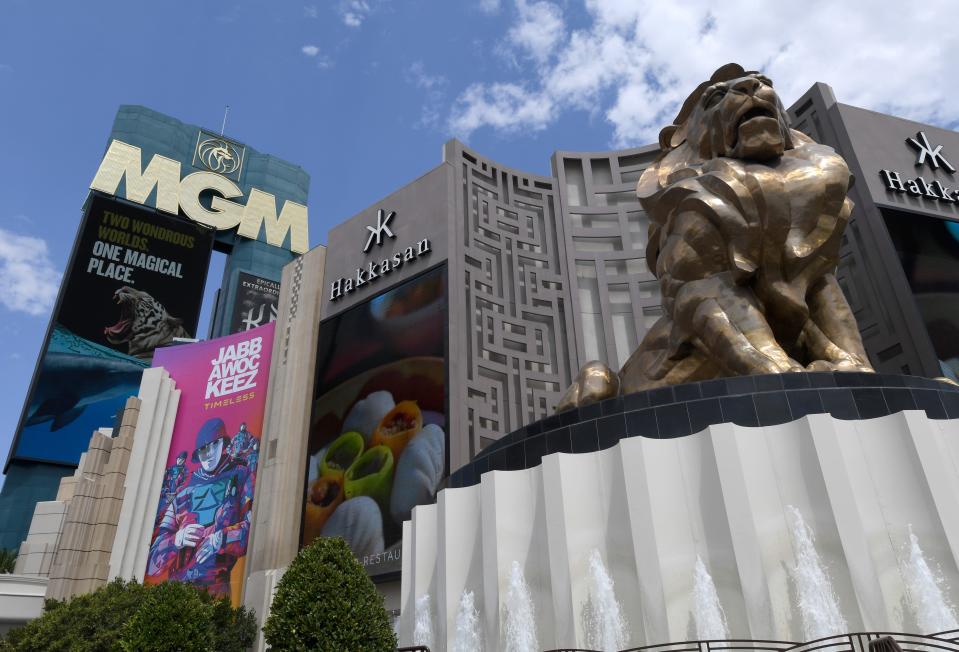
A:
{"x": 129, "y": 616}
{"x": 325, "y": 601}
{"x": 151, "y": 626}
{"x": 8, "y": 558}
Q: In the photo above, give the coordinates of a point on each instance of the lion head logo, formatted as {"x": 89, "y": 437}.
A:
{"x": 219, "y": 155}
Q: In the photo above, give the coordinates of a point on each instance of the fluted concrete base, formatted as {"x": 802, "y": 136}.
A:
{"x": 651, "y": 506}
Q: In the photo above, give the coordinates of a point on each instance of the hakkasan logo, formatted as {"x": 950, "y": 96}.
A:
{"x": 375, "y": 269}
{"x": 217, "y": 154}
{"x": 926, "y": 153}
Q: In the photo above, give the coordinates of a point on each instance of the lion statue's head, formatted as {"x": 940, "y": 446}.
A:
{"x": 736, "y": 114}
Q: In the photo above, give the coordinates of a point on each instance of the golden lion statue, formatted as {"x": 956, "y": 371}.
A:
{"x": 746, "y": 217}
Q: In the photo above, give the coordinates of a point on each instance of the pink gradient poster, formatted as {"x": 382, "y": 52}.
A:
{"x": 204, "y": 514}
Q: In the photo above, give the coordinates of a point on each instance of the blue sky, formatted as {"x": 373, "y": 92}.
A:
{"x": 363, "y": 93}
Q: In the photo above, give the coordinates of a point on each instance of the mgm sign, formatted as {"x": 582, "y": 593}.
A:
{"x": 173, "y": 193}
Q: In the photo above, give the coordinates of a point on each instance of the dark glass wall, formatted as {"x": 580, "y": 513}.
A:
{"x": 928, "y": 249}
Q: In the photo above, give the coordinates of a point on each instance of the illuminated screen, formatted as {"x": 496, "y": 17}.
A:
{"x": 378, "y": 430}
{"x": 928, "y": 249}
{"x": 255, "y": 304}
{"x": 135, "y": 282}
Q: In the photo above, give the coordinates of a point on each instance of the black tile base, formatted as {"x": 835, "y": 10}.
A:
{"x": 682, "y": 410}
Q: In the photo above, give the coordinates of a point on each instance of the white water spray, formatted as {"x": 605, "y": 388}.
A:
{"x": 520, "y": 616}
{"x": 604, "y": 623}
{"x": 707, "y": 611}
{"x": 467, "y": 637}
{"x": 818, "y": 604}
{"x": 933, "y": 613}
{"x": 423, "y": 622}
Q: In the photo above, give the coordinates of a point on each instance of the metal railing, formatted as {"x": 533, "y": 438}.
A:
{"x": 732, "y": 645}
{"x": 856, "y": 642}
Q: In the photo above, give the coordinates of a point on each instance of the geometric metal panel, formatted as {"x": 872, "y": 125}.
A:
{"x": 508, "y": 285}
{"x": 617, "y": 297}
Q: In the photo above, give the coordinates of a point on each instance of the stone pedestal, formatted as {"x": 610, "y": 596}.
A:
{"x": 715, "y": 471}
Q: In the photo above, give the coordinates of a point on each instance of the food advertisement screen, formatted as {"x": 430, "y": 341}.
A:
{"x": 202, "y": 522}
{"x": 378, "y": 430}
{"x": 135, "y": 283}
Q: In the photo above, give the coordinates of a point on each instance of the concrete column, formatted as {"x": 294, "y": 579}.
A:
{"x": 159, "y": 399}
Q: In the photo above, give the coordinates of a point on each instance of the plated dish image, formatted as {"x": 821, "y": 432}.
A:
{"x": 377, "y": 449}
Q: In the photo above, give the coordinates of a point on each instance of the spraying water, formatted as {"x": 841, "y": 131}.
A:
{"x": 605, "y": 626}
{"x": 423, "y": 622}
{"x": 933, "y": 612}
{"x": 520, "y": 615}
{"x": 818, "y": 604}
{"x": 467, "y": 636}
{"x": 707, "y": 611}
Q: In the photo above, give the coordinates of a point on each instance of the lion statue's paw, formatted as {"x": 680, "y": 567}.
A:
{"x": 595, "y": 382}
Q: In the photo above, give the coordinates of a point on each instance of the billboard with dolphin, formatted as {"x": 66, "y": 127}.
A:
{"x": 204, "y": 515}
{"x": 135, "y": 282}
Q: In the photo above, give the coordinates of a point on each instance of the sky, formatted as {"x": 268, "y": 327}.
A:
{"x": 363, "y": 93}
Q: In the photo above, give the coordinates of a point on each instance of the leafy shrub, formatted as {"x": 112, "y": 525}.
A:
{"x": 326, "y": 601}
{"x": 131, "y": 616}
{"x": 8, "y": 559}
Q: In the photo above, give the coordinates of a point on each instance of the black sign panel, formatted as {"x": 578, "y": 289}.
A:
{"x": 256, "y": 303}
{"x": 135, "y": 282}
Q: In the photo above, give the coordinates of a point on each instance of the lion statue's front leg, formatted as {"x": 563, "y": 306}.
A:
{"x": 830, "y": 336}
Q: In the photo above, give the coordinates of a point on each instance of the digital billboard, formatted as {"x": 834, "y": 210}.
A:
{"x": 204, "y": 513}
{"x": 135, "y": 282}
{"x": 255, "y": 304}
{"x": 378, "y": 440}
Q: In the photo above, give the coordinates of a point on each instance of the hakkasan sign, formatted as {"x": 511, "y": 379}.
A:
{"x": 203, "y": 518}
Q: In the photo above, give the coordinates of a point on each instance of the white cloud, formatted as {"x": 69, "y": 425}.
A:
{"x": 310, "y": 11}
{"x": 539, "y": 29}
{"x": 634, "y": 61}
{"x": 354, "y": 12}
{"x": 29, "y": 275}
{"x": 489, "y": 6}
{"x": 313, "y": 51}
{"x": 506, "y": 107}
{"x": 418, "y": 75}
{"x": 435, "y": 93}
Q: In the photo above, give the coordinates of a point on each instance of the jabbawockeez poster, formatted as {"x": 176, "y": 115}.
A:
{"x": 204, "y": 515}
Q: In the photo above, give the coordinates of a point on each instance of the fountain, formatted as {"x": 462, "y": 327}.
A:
{"x": 467, "y": 637}
{"x": 423, "y": 622}
{"x": 933, "y": 612}
{"x": 603, "y": 620}
{"x": 707, "y": 611}
{"x": 818, "y": 604}
{"x": 520, "y": 616}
